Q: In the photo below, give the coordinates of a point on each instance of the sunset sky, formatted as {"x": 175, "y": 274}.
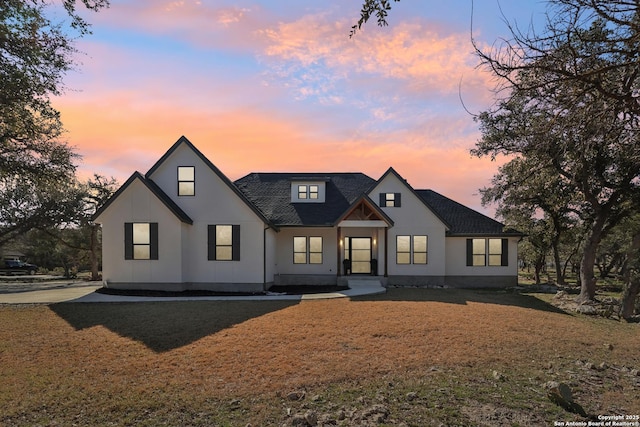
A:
{"x": 269, "y": 86}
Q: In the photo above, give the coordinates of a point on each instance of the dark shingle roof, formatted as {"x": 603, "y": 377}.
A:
{"x": 157, "y": 191}
{"x": 271, "y": 194}
{"x": 462, "y": 220}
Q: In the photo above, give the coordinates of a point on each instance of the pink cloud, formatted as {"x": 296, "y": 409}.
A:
{"x": 402, "y": 82}
{"x": 116, "y": 139}
{"x": 419, "y": 55}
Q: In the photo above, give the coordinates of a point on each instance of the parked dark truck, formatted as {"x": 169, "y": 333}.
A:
{"x": 15, "y": 266}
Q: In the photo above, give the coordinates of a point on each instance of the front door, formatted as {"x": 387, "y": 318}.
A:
{"x": 358, "y": 250}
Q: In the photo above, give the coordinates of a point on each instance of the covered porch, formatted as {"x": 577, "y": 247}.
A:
{"x": 362, "y": 240}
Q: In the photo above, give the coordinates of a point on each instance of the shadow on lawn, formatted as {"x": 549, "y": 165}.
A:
{"x": 164, "y": 326}
{"x": 464, "y": 296}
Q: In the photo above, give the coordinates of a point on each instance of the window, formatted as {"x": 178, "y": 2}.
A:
{"x": 403, "y": 249}
{"x": 408, "y": 245}
{"x": 487, "y": 252}
{"x": 307, "y": 191}
{"x": 302, "y": 191}
{"x": 307, "y": 254}
{"x": 299, "y": 250}
{"x": 495, "y": 252}
{"x": 186, "y": 181}
{"x": 141, "y": 240}
{"x": 419, "y": 249}
{"x": 390, "y": 200}
{"x": 223, "y": 243}
{"x": 315, "y": 250}
{"x": 479, "y": 252}
{"x": 313, "y": 191}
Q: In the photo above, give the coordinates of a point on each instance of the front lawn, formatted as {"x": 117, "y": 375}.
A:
{"x": 412, "y": 356}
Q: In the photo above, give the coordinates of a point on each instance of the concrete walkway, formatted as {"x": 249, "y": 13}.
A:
{"x": 86, "y": 292}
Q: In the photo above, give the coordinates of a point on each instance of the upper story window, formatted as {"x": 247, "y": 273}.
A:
{"x": 186, "y": 181}
{"x": 313, "y": 191}
{"x": 308, "y": 190}
{"x": 390, "y": 200}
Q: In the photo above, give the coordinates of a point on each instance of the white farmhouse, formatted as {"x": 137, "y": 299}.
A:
{"x": 185, "y": 226}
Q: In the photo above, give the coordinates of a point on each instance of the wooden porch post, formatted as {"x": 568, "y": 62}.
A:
{"x": 386, "y": 251}
{"x": 338, "y": 251}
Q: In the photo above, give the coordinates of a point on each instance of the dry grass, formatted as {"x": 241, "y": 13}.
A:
{"x": 230, "y": 363}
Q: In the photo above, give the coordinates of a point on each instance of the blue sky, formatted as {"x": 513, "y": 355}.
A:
{"x": 279, "y": 86}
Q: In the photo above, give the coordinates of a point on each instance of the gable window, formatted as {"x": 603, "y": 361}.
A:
{"x": 411, "y": 249}
{"x": 487, "y": 252}
{"x": 186, "y": 181}
{"x": 141, "y": 240}
{"x": 390, "y": 200}
{"x": 223, "y": 243}
{"x": 307, "y": 250}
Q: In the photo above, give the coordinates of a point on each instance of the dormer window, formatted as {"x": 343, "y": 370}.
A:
{"x": 308, "y": 190}
{"x": 186, "y": 181}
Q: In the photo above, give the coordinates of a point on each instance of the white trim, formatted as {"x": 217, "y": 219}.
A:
{"x": 362, "y": 223}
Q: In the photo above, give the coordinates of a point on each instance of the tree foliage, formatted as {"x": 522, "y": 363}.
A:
{"x": 78, "y": 236}
{"x": 570, "y": 108}
{"x": 36, "y": 166}
{"x": 378, "y": 8}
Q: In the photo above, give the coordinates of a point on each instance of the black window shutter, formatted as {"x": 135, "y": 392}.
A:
{"x": 153, "y": 240}
{"x": 396, "y": 200}
{"x": 383, "y": 200}
{"x": 505, "y": 253}
{"x": 235, "y": 239}
{"x": 128, "y": 240}
{"x": 469, "y": 252}
{"x": 211, "y": 243}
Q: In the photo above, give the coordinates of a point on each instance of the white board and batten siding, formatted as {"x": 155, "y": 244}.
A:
{"x": 138, "y": 204}
{"x": 214, "y": 203}
{"x": 412, "y": 218}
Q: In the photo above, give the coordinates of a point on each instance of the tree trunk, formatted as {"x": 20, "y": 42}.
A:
{"x": 93, "y": 252}
{"x": 555, "y": 244}
{"x": 632, "y": 280}
{"x": 588, "y": 278}
{"x": 537, "y": 269}
{"x": 558, "y": 263}
{"x": 629, "y": 295}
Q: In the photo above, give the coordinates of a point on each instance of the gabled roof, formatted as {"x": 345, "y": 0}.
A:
{"x": 218, "y": 172}
{"x": 271, "y": 194}
{"x": 157, "y": 191}
{"x": 463, "y": 221}
{"x": 392, "y": 171}
{"x": 364, "y": 200}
